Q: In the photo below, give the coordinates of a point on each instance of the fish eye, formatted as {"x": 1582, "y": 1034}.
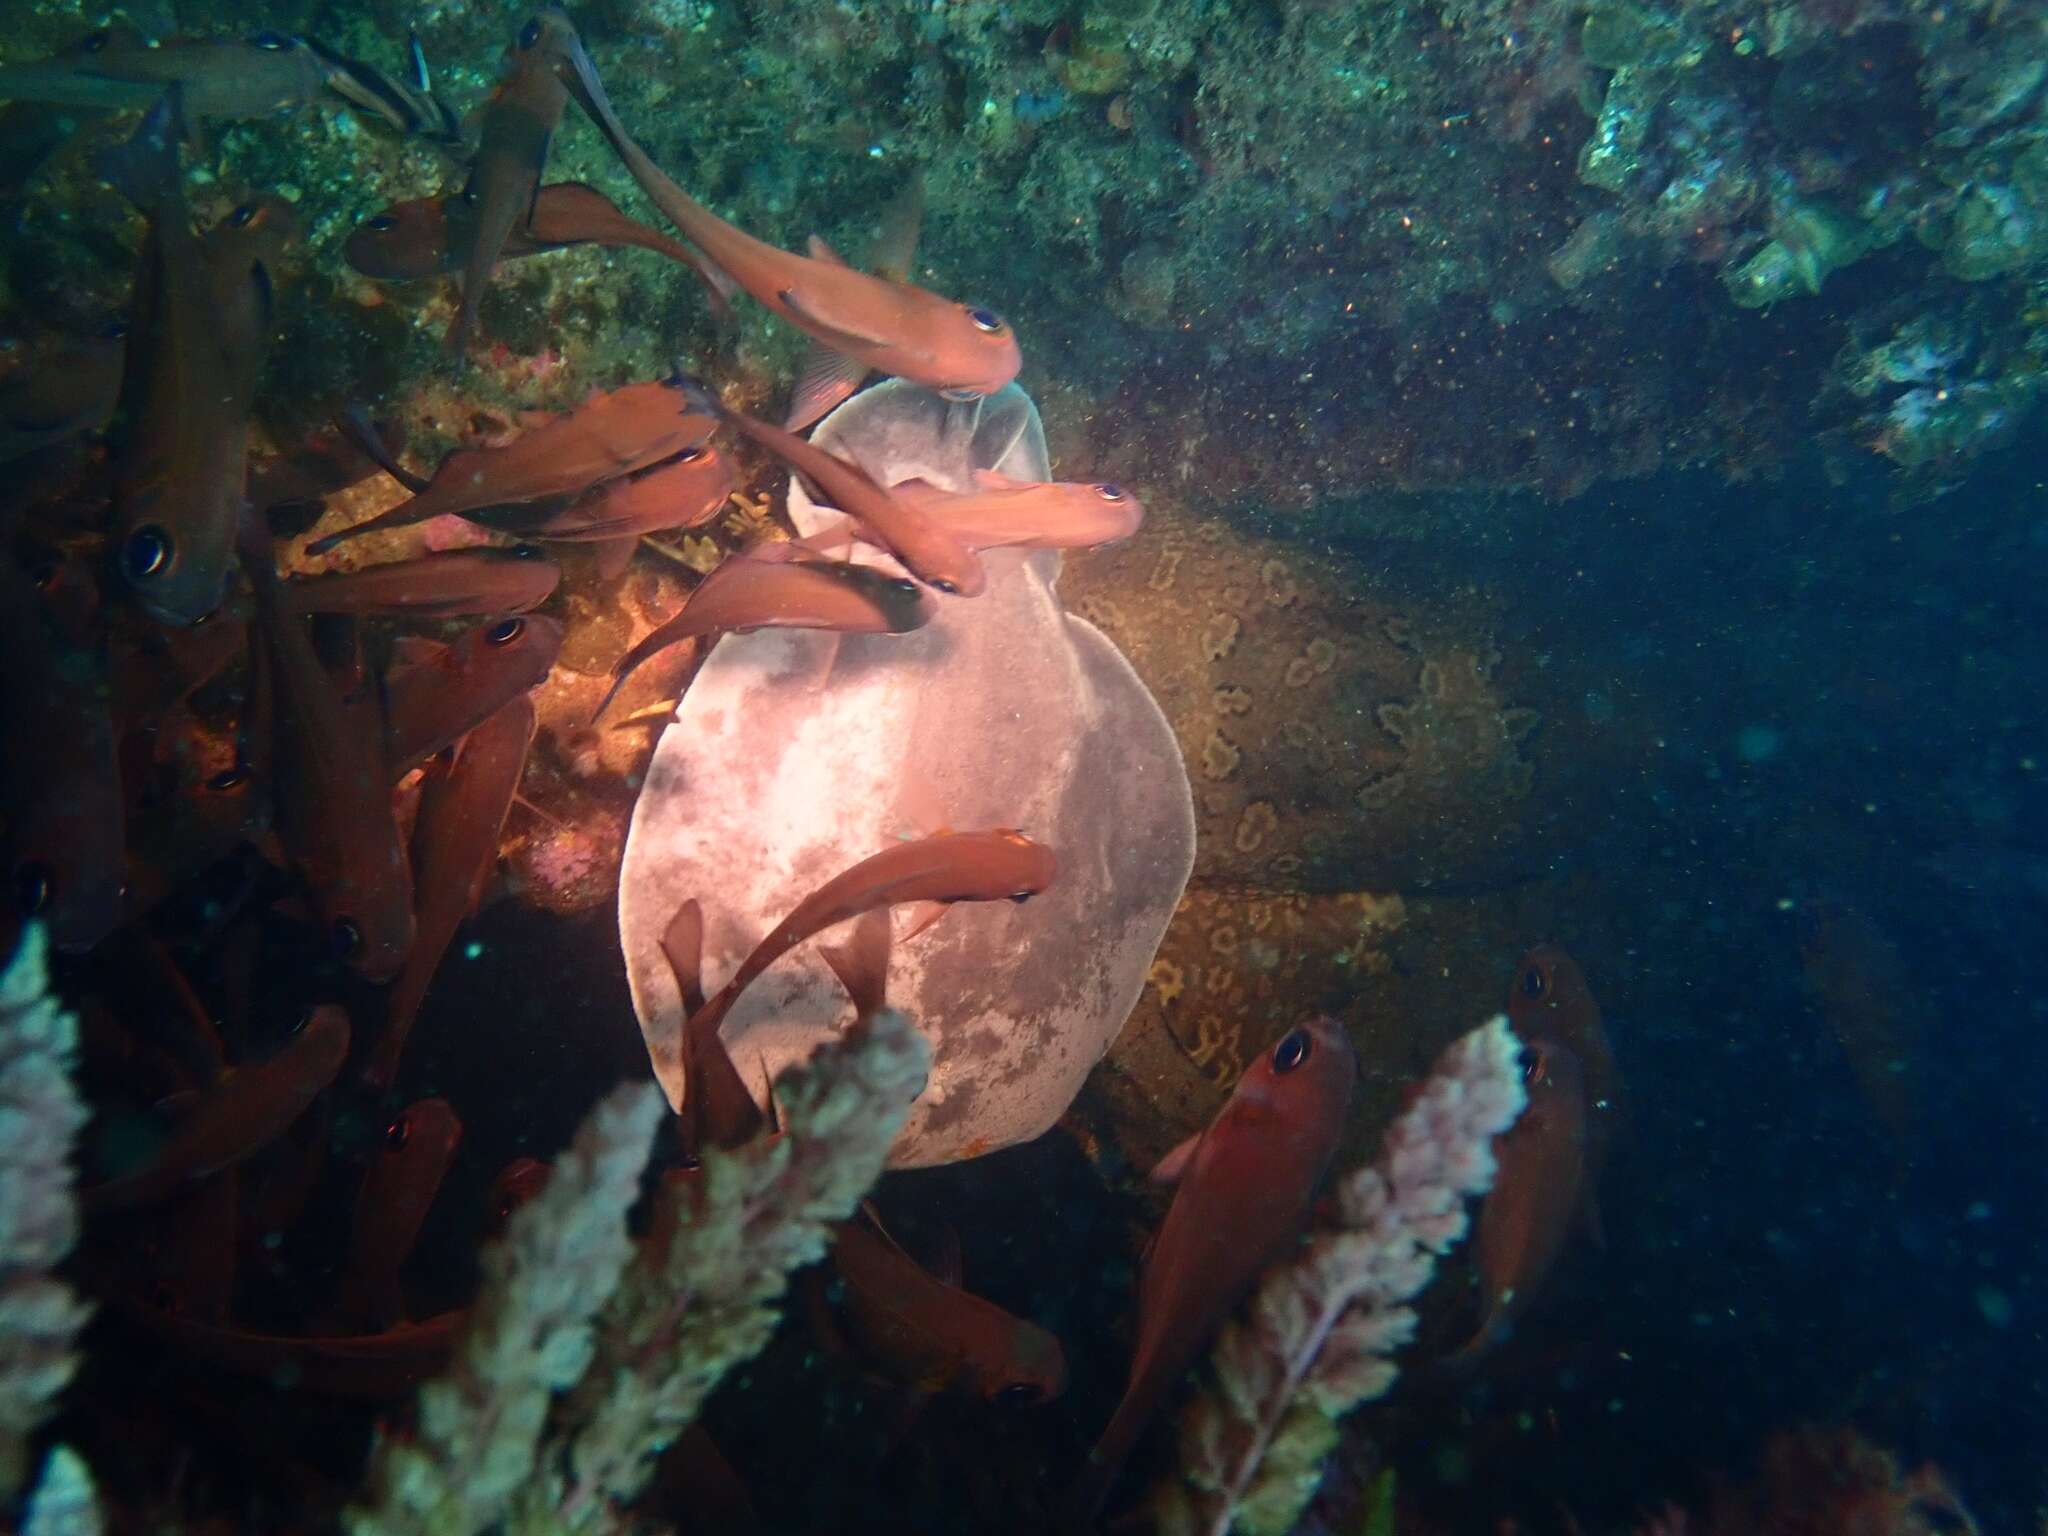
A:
{"x": 398, "y": 1133}
{"x": 272, "y": 42}
{"x": 903, "y": 587}
{"x": 504, "y": 632}
{"x": 380, "y": 222}
{"x": 690, "y": 455}
{"x": 529, "y": 34}
{"x": 45, "y": 573}
{"x": 1020, "y": 897}
{"x": 241, "y": 217}
{"x": 1530, "y": 1060}
{"x": 950, "y": 588}
{"x": 1292, "y": 1051}
{"x": 301, "y": 1022}
{"x": 147, "y": 552}
{"x": 986, "y": 320}
{"x": 690, "y": 1162}
{"x": 1110, "y": 492}
{"x": 528, "y": 552}
{"x": 165, "y": 1298}
{"x": 97, "y": 43}
{"x": 348, "y": 938}
{"x": 34, "y": 885}
{"x": 1019, "y": 1394}
{"x": 227, "y": 779}
{"x": 1535, "y": 985}
{"x": 115, "y": 329}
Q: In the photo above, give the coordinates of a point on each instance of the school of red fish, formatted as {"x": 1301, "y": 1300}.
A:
{"x": 160, "y": 578}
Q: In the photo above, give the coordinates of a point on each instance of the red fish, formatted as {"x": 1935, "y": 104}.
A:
{"x": 1549, "y": 999}
{"x": 1539, "y": 1189}
{"x": 827, "y": 377}
{"x": 722, "y": 1110}
{"x": 454, "y": 844}
{"x": 430, "y": 705}
{"x": 1002, "y": 513}
{"x": 243, "y": 1112}
{"x": 428, "y": 236}
{"x": 372, "y": 1366}
{"x": 609, "y": 435}
{"x": 392, "y": 1202}
{"x": 893, "y": 327}
{"x": 934, "y": 1336}
{"x": 61, "y": 808}
{"x": 329, "y": 788}
{"x": 448, "y": 584}
{"x": 518, "y": 124}
{"x": 763, "y": 590}
{"x": 1245, "y": 1185}
{"x": 1000, "y": 864}
{"x": 686, "y": 492}
{"x": 931, "y": 554}
{"x": 66, "y": 387}
{"x": 197, "y": 349}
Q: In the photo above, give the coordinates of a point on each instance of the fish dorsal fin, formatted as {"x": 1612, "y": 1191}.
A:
{"x": 826, "y": 379}
{"x": 682, "y": 945}
{"x": 862, "y": 962}
{"x": 919, "y": 803}
{"x": 842, "y": 335}
{"x": 991, "y": 480}
{"x": 820, "y": 251}
{"x": 918, "y": 493}
{"x": 895, "y": 246}
{"x": 1171, "y": 1168}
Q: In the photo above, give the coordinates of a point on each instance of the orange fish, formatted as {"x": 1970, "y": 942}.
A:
{"x": 931, "y": 554}
{"x": 243, "y": 1112}
{"x": 454, "y": 845}
{"x": 372, "y": 1366}
{"x": 518, "y": 124}
{"x": 609, "y": 435}
{"x": 930, "y": 1334}
{"x": 428, "y": 236}
{"x": 1000, "y": 864}
{"x": 1540, "y": 1187}
{"x": 448, "y": 584}
{"x": 765, "y": 589}
{"x": 1245, "y": 1185}
{"x": 894, "y": 327}
{"x": 685, "y": 492}
{"x": 1001, "y": 513}
{"x": 70, "y": 385}
{"x": 397, "y": 1191}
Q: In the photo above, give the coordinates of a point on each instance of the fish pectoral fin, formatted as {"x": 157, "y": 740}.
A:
{"x": 826, "y": 379}
{"x": 820, "y": 251}
{"x": 1174, "y": 1165}
{"x": 839, "y": 335}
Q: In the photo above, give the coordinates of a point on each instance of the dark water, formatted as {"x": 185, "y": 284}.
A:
{"x": 1788, "y": 813}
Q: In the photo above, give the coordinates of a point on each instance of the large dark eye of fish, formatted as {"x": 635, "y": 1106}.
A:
{"x": 1292, "y": 1051}
{"x": 1530, "y": 1060}
{"x": 97, "y": 43}
{"x": 505, "y": 631}
{"x": 950, "y": 588}
{"x": 34, "y": 885}
{"x": 241, "y": 216}
{"x": 1020, "y": 897}
{"x": 986, "y": 320}
{"x": 902, "y": 586}
{"x": 227, "y": 779}
{"x": 529, "y": 34}
{"x": 1110, "y": 492}
{"x": 379, "y": 222}
{"x": 115, "y": 329}
{"x": 147, "y": 552}
{"x": 272, "y": 42}
{"x": 348, "y": 938}
{"x": 398, "y": 1133}
{"x": 1535, "y": 985}
{"x": 690, "y": 455}
{"x": 528, "y": 552}
{"x": 1019, "y": 1394}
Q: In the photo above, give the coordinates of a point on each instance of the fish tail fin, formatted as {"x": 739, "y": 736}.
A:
{"x": 144, "y": 167}
{"x": 862, "y": 962}
{"x": 701, "y": 396}
{"x": 682, "y": 945}
{"x": 354, "y": 423}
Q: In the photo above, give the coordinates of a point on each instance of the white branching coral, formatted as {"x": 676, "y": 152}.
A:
{"x": 1321, "y": 1331}
{"x": 40, "y": 1118}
